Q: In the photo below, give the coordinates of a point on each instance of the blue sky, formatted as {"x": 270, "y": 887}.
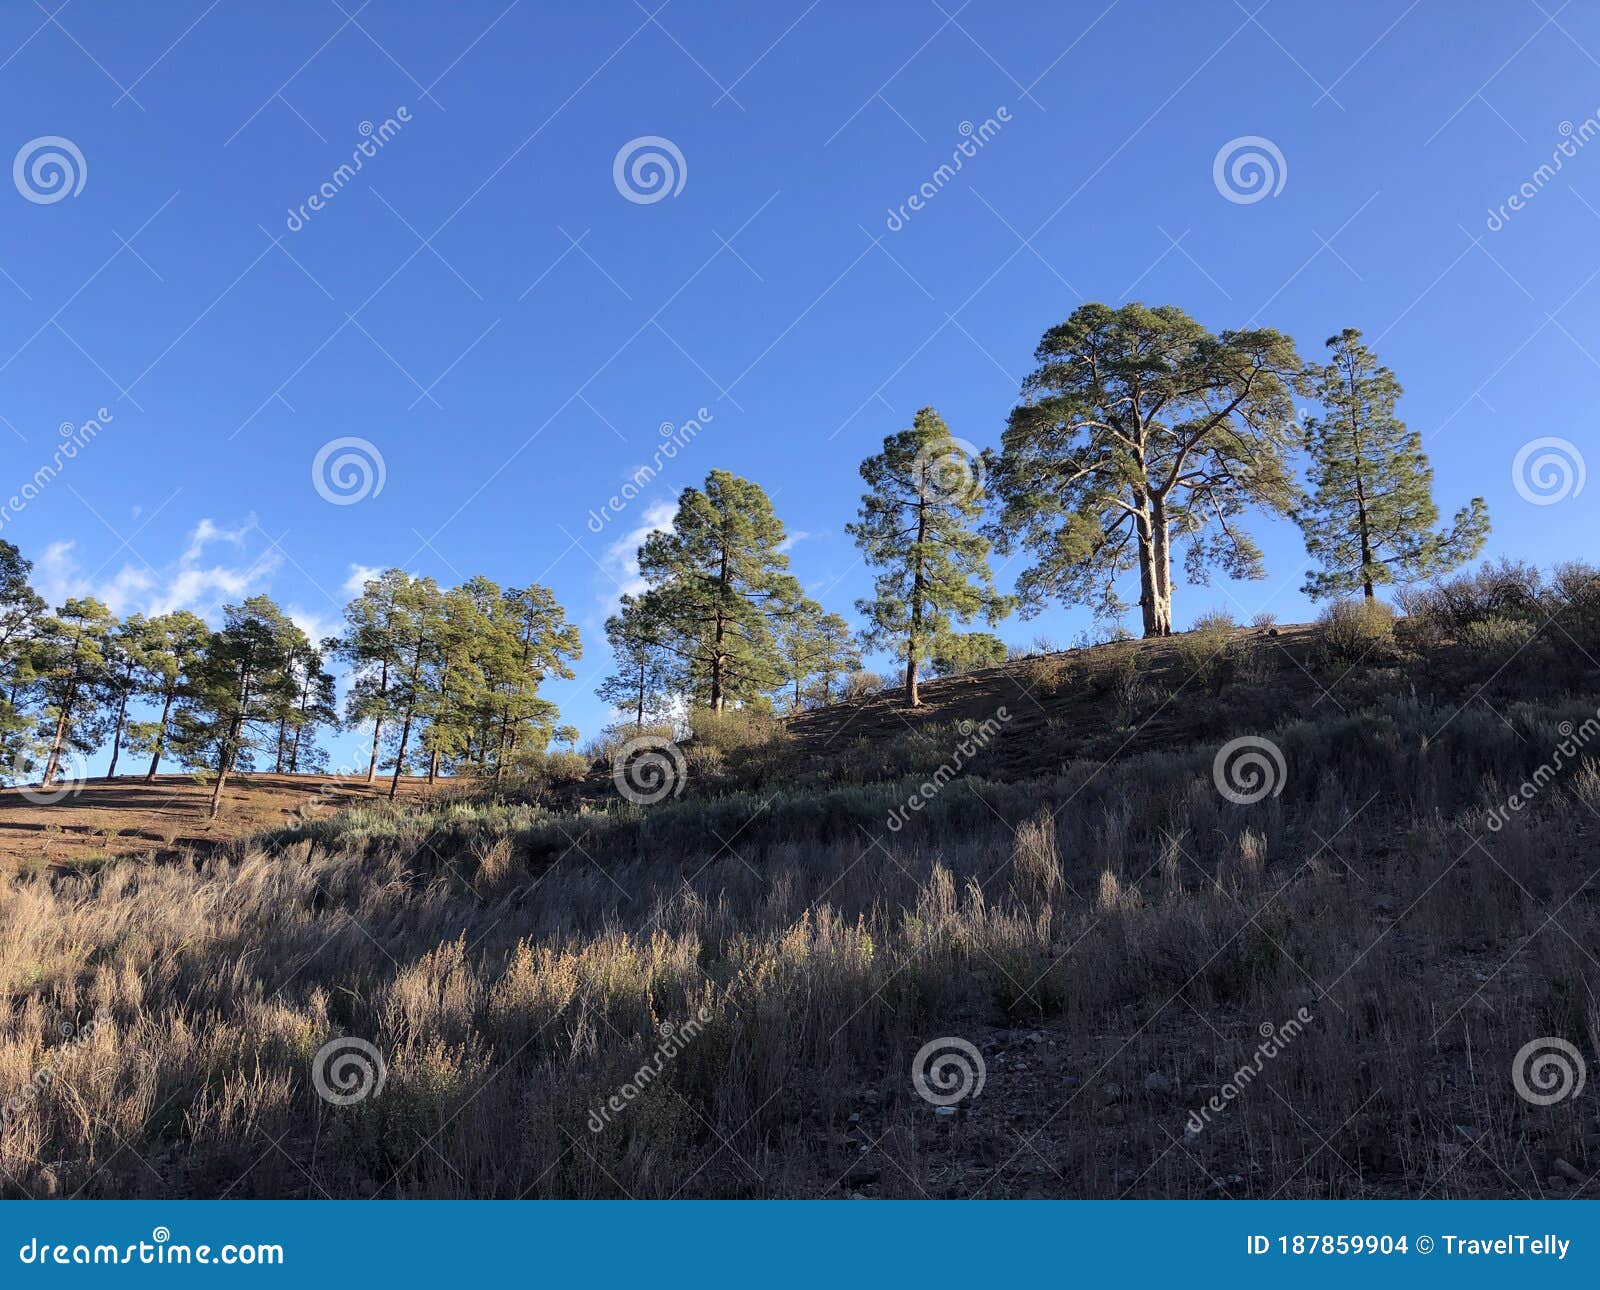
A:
{"x": 484, "y": 305}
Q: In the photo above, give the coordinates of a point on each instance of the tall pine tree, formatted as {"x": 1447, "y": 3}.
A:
{"x": 916, "y": 525}
{"x": 1141, "y": 428}
{"x": 1369, "y": 520}
{"x": 718, "y": 583}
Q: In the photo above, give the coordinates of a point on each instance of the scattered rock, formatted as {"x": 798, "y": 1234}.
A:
{"x": 943, "y": 1112}
{"x": 1158, "y": 1082}
{"x": 855, "y": 1117}
{"x": 1570, "y": 1172}
{"x": 1555, "y": 1182}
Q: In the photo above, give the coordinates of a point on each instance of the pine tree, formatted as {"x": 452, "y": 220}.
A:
{"x": 22, "y": 611}
{"x": 171, "y": 644}
{"x": 717, "y": 582}
{"x": 370, "y": 645}
{"x": 238, "y": 689}
{"x": 529, "y": 641}
{"x": 838, "y": 654}
{"x": 455, "y": 689}
{"x": 1140, "y": 427}
{"x": 419, "y": 630}
{"x": 916, "y": 525}
{"x": 1370, "y": 518}
{"x": 309, "y": 702}
{"x": 643, "y": 681}
{"x": 814, "y": 644}
{"x": 125, "y": 647}
{"x": 70, "y": 666}
{"x": 967, "y": 652}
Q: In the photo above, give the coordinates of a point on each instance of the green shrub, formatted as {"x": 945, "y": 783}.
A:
{"x": 1204, "y": 648}
{"x": 1352, "y": 631}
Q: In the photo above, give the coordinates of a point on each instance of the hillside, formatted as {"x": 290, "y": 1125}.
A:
{"x": 1095, "y": 959}
{"x": 164, "y": 818}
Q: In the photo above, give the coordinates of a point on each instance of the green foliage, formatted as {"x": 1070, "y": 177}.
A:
{"x": 816, "y": 648}
{"x": 1140, "y": 428}
{"x": 1355, "y": 631}
{"x": 718, "y": 584}
{"x": 916, "y": 525}
{"x": 1204, "y": 649}
{"x": 642, "y": 683}
{"x": 1369, "y": 520}
{"x": 967, "y": 652}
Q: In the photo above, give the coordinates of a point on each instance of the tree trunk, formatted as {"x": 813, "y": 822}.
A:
{"x": 161, "y": 737}
{"x": 53, "y": 762}
{"x": 1363, "y": 523}
{"x": 1155, "y": 570}
{"x": 224, "y": 765}
{"x": 721, "y": 629}
{"x": 405, "y": 727}
{"x": 377, "y": 722}
{"x": 638, "y": 715}
{"x": 116, "y": 739}
{"x": 914, "y": 638}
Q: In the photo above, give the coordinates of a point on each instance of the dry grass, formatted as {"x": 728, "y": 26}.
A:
{"x": 1111, "y": 939}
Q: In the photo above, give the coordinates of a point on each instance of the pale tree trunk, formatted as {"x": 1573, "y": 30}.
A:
{"x": 377, "y": 722}
{"x": 1161, "y": 552}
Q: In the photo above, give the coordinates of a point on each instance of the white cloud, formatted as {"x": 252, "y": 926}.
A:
{"x": 185, "y": 583}
{"x": 360, "y": 575}
{"x": 620, "y": 562}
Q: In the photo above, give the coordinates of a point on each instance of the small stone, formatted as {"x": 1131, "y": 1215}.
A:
{"x": 1556, "y": 1182}
{"x": 855, "y": 1117}
{"x": 944, "y": 1111}
{"x": 1157, "y": 1082}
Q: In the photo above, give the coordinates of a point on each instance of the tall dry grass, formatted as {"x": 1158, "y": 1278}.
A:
{"x": 1089, "y": 933}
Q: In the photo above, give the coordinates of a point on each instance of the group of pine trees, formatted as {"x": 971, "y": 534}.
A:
{"x": 1139, "y": 431}
{"x": 447, "y": 679}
